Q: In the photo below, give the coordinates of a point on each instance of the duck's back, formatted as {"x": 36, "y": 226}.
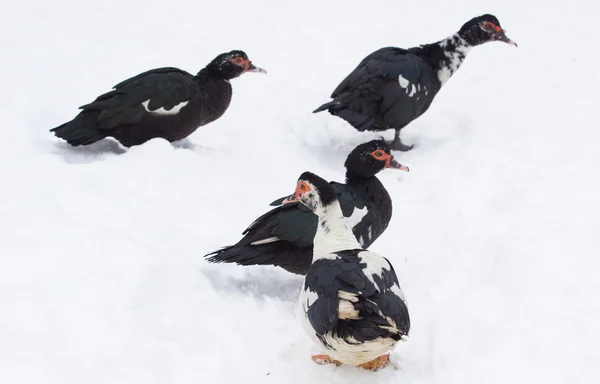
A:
{"x": 388, "y": 89}
{"x": 208, "y": 100}
{"x": 351, "y": 298}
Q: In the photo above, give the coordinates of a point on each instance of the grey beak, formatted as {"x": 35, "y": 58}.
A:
{"x": 254, "y": 68}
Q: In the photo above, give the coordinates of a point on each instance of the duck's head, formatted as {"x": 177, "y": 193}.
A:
{"x": 232, "y": 64}
{"x": 314, "y": 192}
{"x": 482, "y": 29}
{"x": 367, "y": 159}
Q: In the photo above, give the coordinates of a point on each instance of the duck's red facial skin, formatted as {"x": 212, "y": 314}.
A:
{"x": 382, "y": 156}
{"x": 246, "y": 64}
{"x": 301, "y": 189}
{"x": 238, "y": 60}
{"x": 389, "y": 160}
{"x": 498, "y": 33}
{"x": 490, "y": 27}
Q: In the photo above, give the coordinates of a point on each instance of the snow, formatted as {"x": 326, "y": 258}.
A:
{"x": 494, "y": 233}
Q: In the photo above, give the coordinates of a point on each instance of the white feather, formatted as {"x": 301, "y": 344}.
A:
{"x": 161, "y": 111}
{"x": 343, "y": 295}
{"x": 356, "y": 216}
{"x": 350, "y": 353}
{"x": 346, "y": 311}
{"x": 333, "y": 233}
{"x": 375, "y": 264}
{"x": 413, "y": 90}
{"x": 265, "y": 241}
{"x": 455, "y": 57}
{"x": 402, "y": 81}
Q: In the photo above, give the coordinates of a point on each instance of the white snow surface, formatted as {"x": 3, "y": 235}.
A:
{"x": 495, "y": 232}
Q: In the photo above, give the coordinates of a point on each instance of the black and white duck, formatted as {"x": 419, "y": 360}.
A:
{"x": 284, "y": 236}
{"x": 353, "y": 305}
{"x": 392, "y": 86}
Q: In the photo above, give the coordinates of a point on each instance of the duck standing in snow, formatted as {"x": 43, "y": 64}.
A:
{"x": 166, "y": 102}
{"x": 353, "y": 305}
{"x": 393, "y": 86}
{"x": 284, "y": 236}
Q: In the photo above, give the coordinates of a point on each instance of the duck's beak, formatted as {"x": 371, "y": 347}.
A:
{"x": 254, "y": 68}
{"x": 501, "y": 36}
{"x": 396, "y": 165}
{"x": 291, "y": 199}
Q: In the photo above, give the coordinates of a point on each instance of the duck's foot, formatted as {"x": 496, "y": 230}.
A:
{"x": 398, "y": 145}
{"x": 376, "y": 364}
{"x": 324, "y": 359}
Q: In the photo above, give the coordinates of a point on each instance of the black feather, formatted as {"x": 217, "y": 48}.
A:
{"x": 295, "y": 225}
{"x": 120, "y": 113}
{"x": 348, "y": 273}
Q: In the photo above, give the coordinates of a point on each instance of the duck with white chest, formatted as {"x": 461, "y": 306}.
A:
{"x": 353, "y": 305}
{"x": 284, "y": 235}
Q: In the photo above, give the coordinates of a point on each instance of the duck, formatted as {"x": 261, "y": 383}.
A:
{"x": 393, "y": 86}
{"x": 283, "y": 236}
{"x": 167, "y": 103}
{"x": 352, "y": 303}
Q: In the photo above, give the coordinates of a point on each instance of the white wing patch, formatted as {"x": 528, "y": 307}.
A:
{"x": 343, "y": 295}
{"x": 402, "y": 81}
{"x": 411, "y": 89}
{"x": 266, "y": 241}
{"x": 161, "y": 111}
{"x": 346, "y": 311}
{"x": 396, "y": 290}
{"x": 375, "y": 264}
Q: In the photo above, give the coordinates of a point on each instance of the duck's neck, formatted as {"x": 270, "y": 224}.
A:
{"x": 455, "y": 49}
{"x": 210, "y": 72}
{"x": 445, "y": 56}
{"x": 364, "y": 185}
{"x": 333, "y": 234}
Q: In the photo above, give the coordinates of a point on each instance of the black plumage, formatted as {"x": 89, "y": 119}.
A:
{"x": 352, "y": 301}
{"x": 392, "y": 86}
{"x": 381, "y": 312}
{"x": 166, "y": 103}
{"x": 283, "y": 236}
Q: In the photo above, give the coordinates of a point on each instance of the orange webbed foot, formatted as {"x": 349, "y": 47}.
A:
{"x": 376, "y": 364}
{"x": 324, "y": 359}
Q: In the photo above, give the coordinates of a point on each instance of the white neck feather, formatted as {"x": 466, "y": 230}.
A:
{"x": 455, "y": 50}
{"x": 333, "y": 234}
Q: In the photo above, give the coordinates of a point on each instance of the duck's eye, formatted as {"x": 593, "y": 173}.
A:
{"x": 378, "y": 154}
{"x": 302, "y": 187}
{"x": 237, "y": 60}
